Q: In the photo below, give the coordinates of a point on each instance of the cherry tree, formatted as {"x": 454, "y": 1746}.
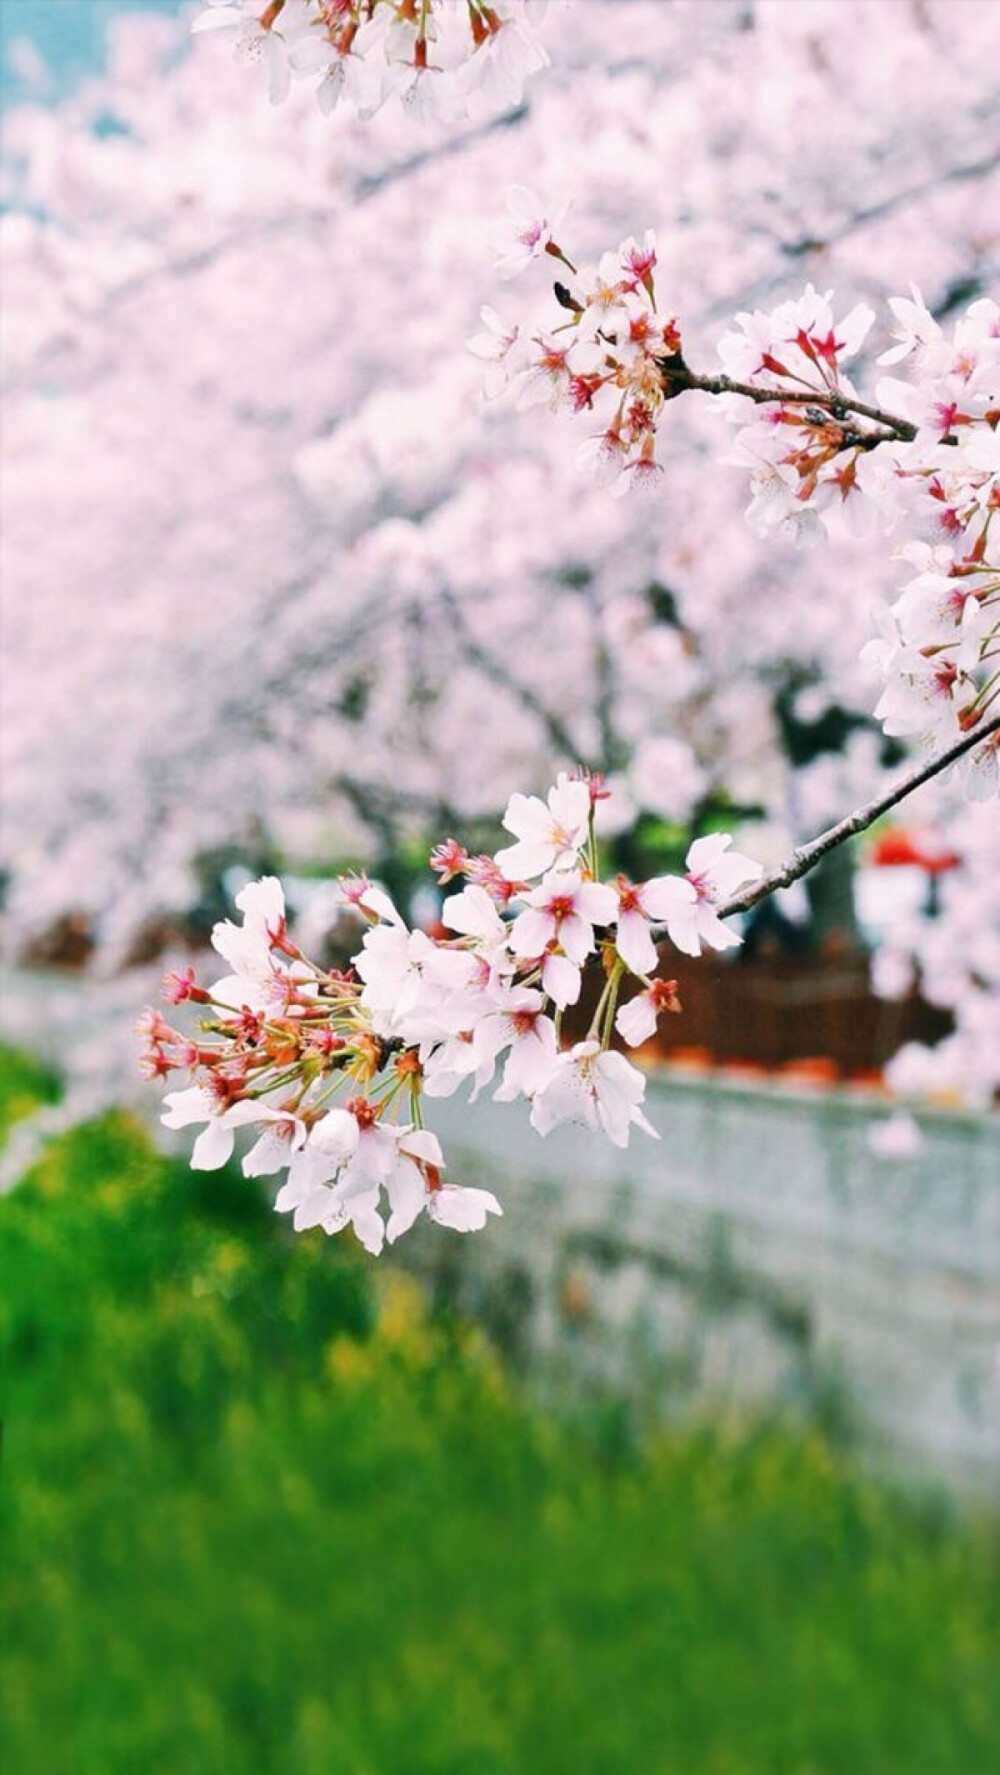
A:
{"x": 388, "y": 602}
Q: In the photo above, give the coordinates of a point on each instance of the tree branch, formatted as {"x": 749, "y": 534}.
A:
{"x": 678, "y": 377}
{"x": 808, "y": 855}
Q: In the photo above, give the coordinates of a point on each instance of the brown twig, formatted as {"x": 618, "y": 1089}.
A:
{"x": 678, "y": 377}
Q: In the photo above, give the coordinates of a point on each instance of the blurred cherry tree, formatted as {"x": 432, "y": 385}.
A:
{"x": 278, "y": 577}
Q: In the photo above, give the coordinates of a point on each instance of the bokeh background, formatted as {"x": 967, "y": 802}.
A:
{"x": 692, "y": 1463}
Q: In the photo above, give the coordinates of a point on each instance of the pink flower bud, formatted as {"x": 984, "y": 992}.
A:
{"x": 180, "y": 986}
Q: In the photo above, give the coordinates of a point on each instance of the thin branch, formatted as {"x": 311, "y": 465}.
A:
{"x": 678, "y": 377}
{"x": 875, "y": 212}
{"x": 808, "y": 855}
{"x": 760, "y": 288}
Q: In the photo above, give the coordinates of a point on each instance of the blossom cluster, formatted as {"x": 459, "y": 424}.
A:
{"x": 610, "y": 353}
{"x": 353, "y": 537}
{"x": 332, "y": 1068}
{"x": 436, "y": 55}
{"x": 924, "y": 461}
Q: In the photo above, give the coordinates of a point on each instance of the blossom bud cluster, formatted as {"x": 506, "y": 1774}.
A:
{"x": 610, "y": 353}
{"x": 436, "y": 55}
{"x": 332, "y": 1070}
{"x": 923, "y": 462}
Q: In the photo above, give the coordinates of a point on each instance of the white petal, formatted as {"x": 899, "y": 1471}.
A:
{"x": 634, "y": 943}
{"x": 472, "y": 913}
{"x": 597, "y": 902}
{"x": 561, "y": 980}
{"x": 367, "y": 1223}
{"x": 407, "y": 1194}
{"x": 636, "y": 1021}
{"x": 712, "y": 930}
{"x": 464, "y": 1210}
{"x": 336, "y": 1135}
{"x": 422, "y": 1144}
{"x": 219, "y": 19}
{"x": 569, "y": 803}
{"x": 532, "y": 932}
{"x": 666, "y": 895}
{"x": 527, "y": 817}
{"x": 212, "y": 1147}
{"x": 520, "y": 862}
{"x": 706, "y": 852}
{"x": 262, "y": 904}
{"x": 576, "y": 937}
{"x": 181, "y": 1108}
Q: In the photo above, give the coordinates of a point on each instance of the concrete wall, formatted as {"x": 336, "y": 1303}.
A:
{"x": 760, "y": 1254}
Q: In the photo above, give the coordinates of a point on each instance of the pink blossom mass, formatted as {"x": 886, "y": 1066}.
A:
{"x": 326, "y": 421}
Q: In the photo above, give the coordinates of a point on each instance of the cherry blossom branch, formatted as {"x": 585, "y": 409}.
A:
{"x": 806, "y": 856}
{"x": 678, "y": 378}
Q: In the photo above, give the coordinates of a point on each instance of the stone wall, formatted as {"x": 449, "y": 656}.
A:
{"x": 759, "y": 1254}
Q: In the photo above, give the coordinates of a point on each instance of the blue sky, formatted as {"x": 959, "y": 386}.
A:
{"x": 69, "y": 34}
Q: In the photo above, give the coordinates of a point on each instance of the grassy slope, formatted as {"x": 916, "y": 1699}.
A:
{"x": 251, "y": 1523}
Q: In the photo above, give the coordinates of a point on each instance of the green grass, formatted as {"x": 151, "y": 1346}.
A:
{"x": 258, "y": 1519}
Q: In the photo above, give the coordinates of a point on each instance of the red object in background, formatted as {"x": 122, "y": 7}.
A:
{"x": 920, "y": 847}
{"x": 811, "y": 1069}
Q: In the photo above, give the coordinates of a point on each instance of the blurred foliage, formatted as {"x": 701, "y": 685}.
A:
{"x": 261, "y": 1513}
{"x": 24, "y": 1084}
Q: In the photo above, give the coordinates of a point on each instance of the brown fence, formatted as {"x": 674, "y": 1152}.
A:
{"x": 815, "y": 1014}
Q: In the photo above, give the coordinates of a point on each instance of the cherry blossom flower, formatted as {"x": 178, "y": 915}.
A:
{"x": 496, "y": 346}
{"x": 368, "y": 50}
{"x": 922, "y": 695}
{"x": 550, "y": 833}
{"x": 415, "y": 1185}
{"x": 397, "y": 1166}
{"x": 799, "y": 340}
{"x": 462, "y": 1208}
{"x": 505, "y": 55}
{"x": 285, "y": 1135}
{"x": 528, "y": 234}
{"x": 331, "y": 1142}
{"x": 597, "y": 1088}
{"x": 545, "y": 378}
{"x": 262, "y": 904}
{"x": 214, "y": 1146}
{"x": 563, "y": 910}
{"x": 259, "y": 981}
{"x": 334, "y": 1211}
{"x": 367, "y": 897}
{"x": 262, "y": 33}
{"x": 516, "y": 1021}
{"x": 686, "y": 904}
{"x": 636, "y": 1021}
{"x": 639, "y": 262}
{"x": 913, "y": 326}
{"x": 472, "y": 913}
{"x": 638, "y": 905}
